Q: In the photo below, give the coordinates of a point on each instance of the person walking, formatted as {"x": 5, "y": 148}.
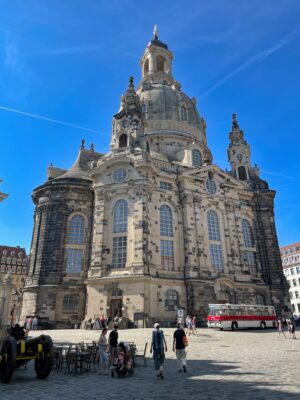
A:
{"x": 103, "y": 351}
{"x": 293, "y": 328}
{"x": 113, "y": 344}
{"x": 158, "y": 346}
{"x": 280, "y": 327}
{"x": 194, "y": 329}
{"x": 179, "y": 345}
{"x": 34, "y": 323}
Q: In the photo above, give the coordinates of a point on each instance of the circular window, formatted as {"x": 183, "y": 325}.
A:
{"x": 239, "y": 156}
{"x": 119, "y": 175}
{"x": 211, "y": 186}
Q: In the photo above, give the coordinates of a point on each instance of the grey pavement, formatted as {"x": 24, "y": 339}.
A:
{"x": 221, "y": 365}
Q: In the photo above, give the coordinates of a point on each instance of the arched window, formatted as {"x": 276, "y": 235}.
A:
{"x": 213, "y": 225}
{"x": 119, "y": 256}
{"x": 197, "y": 158}
{"x": 242, "y": 173}
{"x": 147, "y": 147}
{"x": 75, "y": 234}
{"x": 123, "y": 140}
{"x": 146, "y": 67}
{"x": 120, "y": 216}
{"x": 171, "y": 300}
{"x": 183, "y": 114}
{"x": 166, "y": 221}
{"x": 247, "y": 233}
{"x": 160, "y": 63}
{"x": 216, "y": 255}
{"x": 71, "y": 302}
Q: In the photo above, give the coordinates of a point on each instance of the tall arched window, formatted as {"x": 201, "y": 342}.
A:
{"x": 249, "y": 256}
{"x": 160, "y": 63}
{"x": 171, "y": 300}
{"x": 146, "y": 67}
{"x": 197, "y": 158}
{"x": 214, "y": 236}
{"x": 123, "y": 140}
{"x": 247, "y": 233}
{"x": 120, "y": 216}
{"x": 242, "y": 173}
{"x": 213, "y": 225}
{"x": 75, "y": 233}
{"x": 166, "y": 229}
{"x": 166, "y": 221}
{"x": 183, "y": 114}
{"x": 75, "y": 245}
{"x": 120, "y": 221}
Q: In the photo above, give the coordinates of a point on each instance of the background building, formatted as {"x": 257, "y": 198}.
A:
{"x": 15, "y": 261}
{"x": 290, "y": 256}
{"x": 154, "y": 225}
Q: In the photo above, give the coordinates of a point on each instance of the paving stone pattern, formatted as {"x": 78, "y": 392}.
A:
{"x": 221, "y": 365}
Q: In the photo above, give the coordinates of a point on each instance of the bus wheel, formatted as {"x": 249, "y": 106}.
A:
{"x": 263, "y": 325}
{"x": 234, "y": 326}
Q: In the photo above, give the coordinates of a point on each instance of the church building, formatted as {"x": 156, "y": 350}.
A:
{"x": 154, "y": 225}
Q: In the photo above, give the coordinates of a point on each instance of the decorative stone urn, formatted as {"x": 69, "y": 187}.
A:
{"x": 6, "y": 288}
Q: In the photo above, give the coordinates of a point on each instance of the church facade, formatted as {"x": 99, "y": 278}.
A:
{"x": 153, "y": 226}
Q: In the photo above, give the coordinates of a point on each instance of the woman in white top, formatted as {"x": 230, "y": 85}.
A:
{"x": 103, "y": 351}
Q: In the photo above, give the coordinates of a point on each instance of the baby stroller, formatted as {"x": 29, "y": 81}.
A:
{"x": 122, "y": 365}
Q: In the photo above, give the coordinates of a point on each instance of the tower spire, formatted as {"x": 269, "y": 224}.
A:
{"x": 155, "y": 32}
{"x": 239, "y": 153}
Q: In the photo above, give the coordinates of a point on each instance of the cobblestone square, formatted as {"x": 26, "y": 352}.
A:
{"x": 250, "y": 364}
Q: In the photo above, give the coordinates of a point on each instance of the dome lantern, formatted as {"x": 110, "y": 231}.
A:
{"x": 156, "y": 62}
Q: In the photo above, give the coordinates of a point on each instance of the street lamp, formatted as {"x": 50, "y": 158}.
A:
{"x": 15, "y": 300}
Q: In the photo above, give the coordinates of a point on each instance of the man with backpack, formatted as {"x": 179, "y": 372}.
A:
{"x": 179, "y": 344}
{"x": 158, "y": 346}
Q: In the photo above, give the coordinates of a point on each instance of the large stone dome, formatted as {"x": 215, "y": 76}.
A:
{"x": 166, "y": 107}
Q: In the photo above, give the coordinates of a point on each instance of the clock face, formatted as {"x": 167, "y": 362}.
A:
{"x": 239, "y": 156}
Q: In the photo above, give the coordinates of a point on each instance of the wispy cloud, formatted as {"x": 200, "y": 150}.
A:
{"x": 16, "y": 76}
{"x": 257, "y": 58}
{"x": 280, "y": 175}
{"x": 72, "y": 50}
{"x": 55, "y": 121}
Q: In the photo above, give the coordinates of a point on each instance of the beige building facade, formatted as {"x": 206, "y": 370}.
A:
{"x": 290, "y": 256}
{"x": 154, "y": 225}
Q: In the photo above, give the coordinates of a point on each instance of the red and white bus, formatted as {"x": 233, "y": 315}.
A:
{"x": 234, "y": 316}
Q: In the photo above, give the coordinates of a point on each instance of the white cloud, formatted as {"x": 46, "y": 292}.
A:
{"x": 257, "y": 58}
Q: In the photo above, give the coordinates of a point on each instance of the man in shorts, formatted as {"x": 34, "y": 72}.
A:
{"x": 179, "y": 344}
{"x": 113, "y": 344}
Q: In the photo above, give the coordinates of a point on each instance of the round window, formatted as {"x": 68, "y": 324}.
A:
{"x": 119, "y": 175}
{"x": 211, "y": 186}
{"x": 239, "y": 156}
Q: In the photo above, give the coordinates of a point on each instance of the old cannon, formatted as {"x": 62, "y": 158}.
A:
{"x": 17, "y": 351}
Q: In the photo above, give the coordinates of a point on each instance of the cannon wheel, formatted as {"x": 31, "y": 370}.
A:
{"x": 44, "y": 360}
{"x": 8, "y": 359}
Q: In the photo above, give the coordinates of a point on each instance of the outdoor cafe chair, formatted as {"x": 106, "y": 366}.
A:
{"x": 142, "y": 355}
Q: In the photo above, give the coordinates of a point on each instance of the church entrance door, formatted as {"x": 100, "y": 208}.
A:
{"x": 115, "y": 309}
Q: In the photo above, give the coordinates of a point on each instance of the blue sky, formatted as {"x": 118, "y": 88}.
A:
{"x": 70, "y": 60}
